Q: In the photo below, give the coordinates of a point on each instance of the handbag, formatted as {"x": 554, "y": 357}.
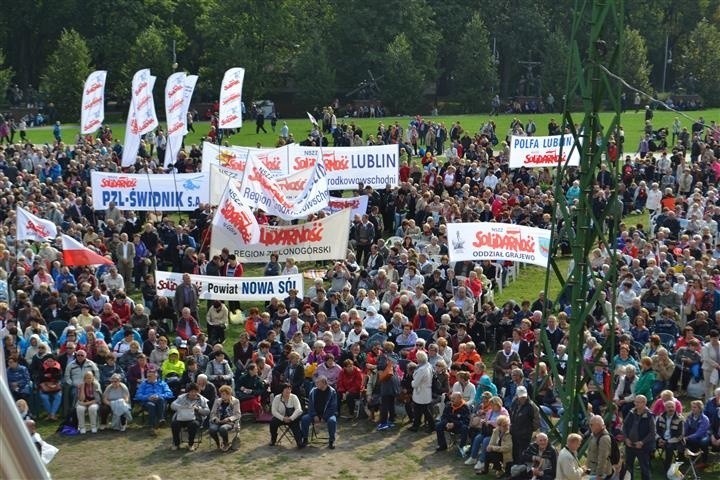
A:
{"x": 476, "y": 422}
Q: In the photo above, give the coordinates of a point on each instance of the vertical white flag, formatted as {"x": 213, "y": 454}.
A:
{"x": 141, "y": 115}
{"x": 190, "y": 82}
{"x": 175, "y": 115}
{"x": 234, "y": 222}
{"x": 231, "y": 99}
{"x": 93, "y": 102}
{"x": 30, "y": 227}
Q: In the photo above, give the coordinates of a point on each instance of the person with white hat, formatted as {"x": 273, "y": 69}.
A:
{"x": 524, "y": 420}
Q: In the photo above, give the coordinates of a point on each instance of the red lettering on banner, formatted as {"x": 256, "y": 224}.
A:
{"x": 292, "y": 236}
{"x": 39, "y": 230}
{"x": 547, "y": 158}
{"x": 176, "y": 104}
{"x": 175, "y": 89}
{"x": 301, "y": 163}
{"x": 229, "y": 160}
{"x": 232, "y": 97}
{"x": 140, "y": 88}
{"x": 238, "y": 219}
{"x": 177, "y": 126}
{"x": 143, "y": 101}
{"x": 341, "y": 204}
{"x": 228, "y": 119}
{"x": 510, "y": 240}
{"x": 119, "y": 182}
{"x": 93, "y": 87}
{"x": 92, "y": 103}
{"x": 142, "y": 126}
{"x": 270, "y": 187}
{"x": 334, "y": 164}
{"x": 271, "y": 163}
{"x": 91, "y": 124}
{"x": 170, "y": 285}
{"x": 297, "y": 185}
{"x": 231, "y": 84}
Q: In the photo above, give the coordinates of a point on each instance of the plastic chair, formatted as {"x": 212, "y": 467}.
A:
{"x": 425, "y": 334}
{"x": 667, "y": 340}
{"x": 57, "y": 327}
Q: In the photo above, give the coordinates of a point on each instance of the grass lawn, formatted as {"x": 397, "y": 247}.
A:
{"x": 632, "y": 122}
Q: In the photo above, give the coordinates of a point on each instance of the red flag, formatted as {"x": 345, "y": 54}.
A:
{"x": 75, "y": 254}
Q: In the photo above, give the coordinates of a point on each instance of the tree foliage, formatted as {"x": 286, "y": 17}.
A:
{"x": 475, "y": 73}
{"x": 699, "y": 61}
{"x": 6, "y": 74}
{"x": 65, "y": 74}
{"x": 404, "y": 79}
{"x": 636, "y": 69}
{"x": 314, "y": 74}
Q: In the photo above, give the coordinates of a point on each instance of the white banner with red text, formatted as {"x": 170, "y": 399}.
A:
{"x": 93, "y": 102}
{"x": 141, "y": 115}
{"x": 234, "y": 223}
{"x": 30, "y": 227}
{"x": 260, "y": 190}
{"x": 292, "y": 186}
{"x": 244, "y": 289}
{"x": 357, "y": 204}
{"x": 324, "y": 239}
{"x": 234, "y": 157}
{"x": 154, "y": 192}
{"x": 538, "y": 152}
{"x": 230, "y": 114}
{"x": 498, "y": 241}
{"x": 178, "y": 92}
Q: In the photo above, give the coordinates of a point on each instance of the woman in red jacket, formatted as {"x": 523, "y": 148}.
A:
{"x": 349, "y": 385}
{"x": 423, "y": 319}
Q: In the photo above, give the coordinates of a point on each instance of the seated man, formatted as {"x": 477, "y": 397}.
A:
{"x": 669, "y": 427}
{"x": 190, "y": 410}
{"x": 540, "y": 458}
{"x": 153, "y": 394}
{"x": 286, "y": 410}
{"x": 455, "y": 418}
{"x": 322, "y": 407}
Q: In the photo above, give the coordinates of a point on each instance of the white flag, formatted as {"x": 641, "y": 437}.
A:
{"x": 143, "y": 102}
{"x": 230, "y": 115}
{"x": 93, "y": 102}
{"x": 312, "y": 119}
{"x": 190, "y": 82}
{"x": 30, "y": 227}
{"x": 175, "y": 115}
{"x": 234, "y": 222}
{"x": 134, "y": 122}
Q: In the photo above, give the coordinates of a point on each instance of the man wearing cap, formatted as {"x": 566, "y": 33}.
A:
{"x": 154, "y": 393}
{"x": 524, "y": 420}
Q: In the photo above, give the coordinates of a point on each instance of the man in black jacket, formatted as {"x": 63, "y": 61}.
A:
{"x": 639, "y": 430}
{"x": 524, "y": 420}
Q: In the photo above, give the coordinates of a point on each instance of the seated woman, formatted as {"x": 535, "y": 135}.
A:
{"x": 482, "y": 438}
{"x": 328, "y": 369}
{"x": 190, "y": 409}
{"x": 218, "y": 370}
{"x": 249, "y": 389}
{"x": 286, "y": 410}
{"x": 172, "y": 370}
{"x": 89, "y": 397}
{"x": 18, "y": 379}
{"x": 116, "y": 400}
{"x": 499, "y": 450}
{"x": 224, "y": 417}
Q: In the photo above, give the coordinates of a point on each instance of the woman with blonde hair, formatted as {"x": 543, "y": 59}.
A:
{"x": 224, "y": 416}
{"x": 89, "y": 397}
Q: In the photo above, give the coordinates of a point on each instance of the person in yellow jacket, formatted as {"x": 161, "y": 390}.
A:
{"x": 172, "y": 370}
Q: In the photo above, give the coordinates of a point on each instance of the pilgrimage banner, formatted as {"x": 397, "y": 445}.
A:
{"x": 93, "y": 102}
{"x": 498, "y": 241}
{"x": 154, "y": 192}
{"x": 234, "y": 157}
{"x": 230, "y": 115}
{"x": 324, "y": 239}
{"x": 533, "y": 152}
{"x": 231, "y": 288}
{"x": 234, "y": 223}
{"x": 358, "y": 205}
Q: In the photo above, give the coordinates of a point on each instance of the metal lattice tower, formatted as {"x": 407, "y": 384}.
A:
{"x": 595, "y": 47}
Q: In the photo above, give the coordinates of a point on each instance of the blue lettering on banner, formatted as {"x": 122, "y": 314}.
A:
{"x": 284, "y": 286}
{"x": 258, "y": 288}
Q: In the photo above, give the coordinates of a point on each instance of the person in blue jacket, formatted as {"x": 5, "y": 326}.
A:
{"x": 697, "y": 430}
{"x": 322, "y": 407}
{"x": 154, "y": 394}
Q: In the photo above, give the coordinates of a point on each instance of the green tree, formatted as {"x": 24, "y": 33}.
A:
{"x": 404, "y": 80}
{"x": 6, "y": 75}
{"x": 554, "y": 64}
{"x": 153, "y": 50}
{"x": 65, "y": 74}
{"x": 699, "y": 62}
{"x": 636, "y": 69}
{"x": 475, "y": 73}
{"x": 314, "y": 74}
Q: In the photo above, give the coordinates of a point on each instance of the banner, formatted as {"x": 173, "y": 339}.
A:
{"x": 141, "y": 115}
{"x": 357, "y": 204}
{"x": 231, "y": 288}
{"x": 182, "y": 191}
{"x": 230, "y": 115}
{"x": 498, "y": 241}
{"x": 30, "y": 227}
{"x": 234, "y": 157}
{"x": 324, "y": 239}
{"x": 532, "y": 152}
{"x": 234, "y": 223}
{"x": 347, "y": 167}
{"x": 93, "y": 102}
{"x": 178, "y": 92}
{"x": 260, "y": 190}
{"x": 292, "y": 185}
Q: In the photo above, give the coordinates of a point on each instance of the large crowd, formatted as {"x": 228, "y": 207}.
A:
{"x": 392, "y": 329}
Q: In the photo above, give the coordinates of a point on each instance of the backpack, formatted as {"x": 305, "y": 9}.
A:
{"x": 614, "y": 449}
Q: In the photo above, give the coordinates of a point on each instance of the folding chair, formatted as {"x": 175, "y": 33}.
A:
{"x": 315, "y": 436}
{"x": 692, "y": 458}
{"x": 284, "y": 431}
{"x": 184, "y": 435}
